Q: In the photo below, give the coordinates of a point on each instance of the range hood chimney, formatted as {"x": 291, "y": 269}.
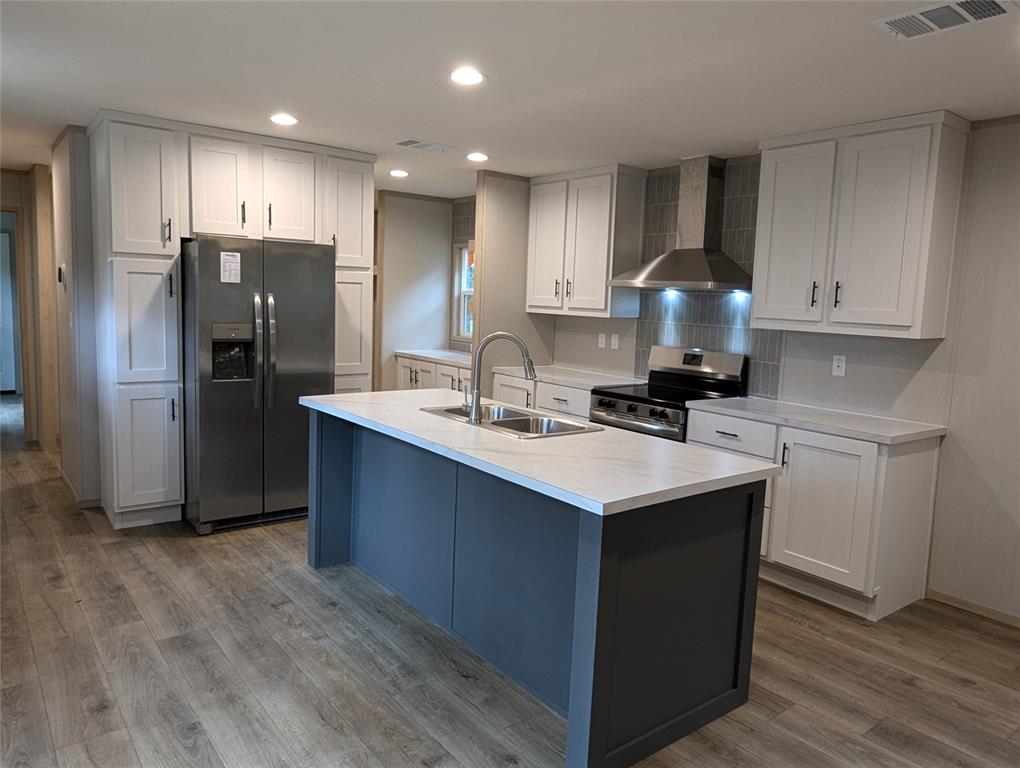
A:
{"x": 697, "y": 262}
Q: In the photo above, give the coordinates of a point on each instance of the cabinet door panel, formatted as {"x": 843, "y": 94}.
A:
{"x": 350, "y": 189}
{"x": 148, "y": 445}
{"x": 288, "y": 180}
{"x": 143, "y": 190}
{"x": 512, "y": 391}
{"x": 353, "y": 336}
{"x": 589, "y": 218}
{"x": 823, "y": 508}
{"x": 405, "y": 373}
{"x": 792, "y": 240}
{"x": 883, "y": 186}
{"x": 547, "y": 221}
{"x": 219, "y": 186}
{"x": 145, "y": 295}
{"x": 425, "y": 375}
{"x": 447, "y": 377}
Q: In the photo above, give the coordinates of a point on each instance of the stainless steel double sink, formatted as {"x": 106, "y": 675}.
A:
{"x": 519, "y": 423}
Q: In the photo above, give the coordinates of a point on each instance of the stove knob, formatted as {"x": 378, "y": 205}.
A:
{"x": 631, "y": 408}
{"x": 653, "y": 412}
{"x": 605, "y": 402}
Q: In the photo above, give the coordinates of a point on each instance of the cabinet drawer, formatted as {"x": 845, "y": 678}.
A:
{"x": 564, "y": 399}
{"x": 742, "y": 435}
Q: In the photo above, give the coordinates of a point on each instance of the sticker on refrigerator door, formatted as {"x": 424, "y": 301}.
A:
{"x": 230, "y": 267}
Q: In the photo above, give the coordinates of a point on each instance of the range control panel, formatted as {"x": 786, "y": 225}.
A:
{"x": 637, "y": 410}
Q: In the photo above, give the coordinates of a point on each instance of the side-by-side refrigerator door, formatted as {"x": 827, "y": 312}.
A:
{"x": 231, "y": 377}
{"x": 299, "y": 297}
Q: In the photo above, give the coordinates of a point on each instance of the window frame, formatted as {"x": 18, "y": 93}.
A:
{"x": 458, "y": 292}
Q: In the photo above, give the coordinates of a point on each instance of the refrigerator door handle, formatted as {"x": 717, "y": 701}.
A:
{"x": 271, "y": 383}
{"x": 257, "y": 397}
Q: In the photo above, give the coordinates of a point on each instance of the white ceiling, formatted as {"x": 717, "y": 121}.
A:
{"x": 572, "y": 84}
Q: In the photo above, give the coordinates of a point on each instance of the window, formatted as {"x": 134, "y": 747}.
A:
{"x": 462, "y": 301}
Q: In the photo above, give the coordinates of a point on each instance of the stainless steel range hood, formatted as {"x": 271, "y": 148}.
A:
{"x": 697, "y": 263}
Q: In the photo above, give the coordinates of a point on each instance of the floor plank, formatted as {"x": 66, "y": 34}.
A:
{"x": 113, "y": 750}
{"x": 24, "y": 730}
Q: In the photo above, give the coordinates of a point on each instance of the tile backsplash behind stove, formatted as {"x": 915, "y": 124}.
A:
{"x": 709, "y": 319}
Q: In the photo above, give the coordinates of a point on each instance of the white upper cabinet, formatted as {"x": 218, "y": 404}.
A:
{"x": 220, "y": 190}
{"x": 792, "y": 240}
{"x": 145, "y": 319}
{"x": 349, "y": 211}
{"x": 824, "y": 506}
{"x": 883, "y": 188}
{"x": 583, "y": 228}
{"x": 288, "y": 194}
{"x": 866, "y": 249}
{"x": 547, "y": 224}
{"x": 589, "y": 222}
{"x": 353, "y": 337}
{"x": 143, "y": 191}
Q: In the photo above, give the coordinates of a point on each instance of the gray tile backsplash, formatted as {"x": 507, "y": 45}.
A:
{"x": 708, "y": 319}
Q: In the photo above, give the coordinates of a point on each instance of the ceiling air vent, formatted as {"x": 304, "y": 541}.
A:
{"x": 424, "y": 145}
{"x": 943, "y": 16}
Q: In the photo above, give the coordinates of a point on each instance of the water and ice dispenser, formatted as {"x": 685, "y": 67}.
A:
{"x": 233, "y": 351}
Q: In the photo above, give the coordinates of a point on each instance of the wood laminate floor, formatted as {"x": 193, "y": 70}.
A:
{"x": 154, "y": 647}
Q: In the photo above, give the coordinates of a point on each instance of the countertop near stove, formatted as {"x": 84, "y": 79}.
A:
{"x": 604, "y": 472}
{"x": 570, "y": 377}
{"x": 876, "y": 429}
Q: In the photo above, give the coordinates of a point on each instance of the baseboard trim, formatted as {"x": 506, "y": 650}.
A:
{"x": 966, "y": 605}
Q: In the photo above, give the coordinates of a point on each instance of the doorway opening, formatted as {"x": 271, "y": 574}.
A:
{"x": 12, "y": 411}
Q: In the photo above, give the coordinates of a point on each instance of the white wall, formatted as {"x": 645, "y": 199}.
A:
{"x": 576, "y": 344}
{"x": 415, "y": 247}
{"x": 976, "y": 544}
{"x": 900, "y": 378}
{"x": 501, "y": 250}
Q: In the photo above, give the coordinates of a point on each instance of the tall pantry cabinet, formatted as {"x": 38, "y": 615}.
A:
{"x": 137, "y": 228}
{"x": 155, "y": 181}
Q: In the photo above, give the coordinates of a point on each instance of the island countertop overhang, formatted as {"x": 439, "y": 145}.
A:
{"x": 603, "y": 472}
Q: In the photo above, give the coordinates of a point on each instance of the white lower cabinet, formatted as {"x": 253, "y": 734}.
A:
{"x": 513, "y": 391}
{"x": 145, "y": 318}
{"x": 447, "y": 377}
{"x": 849, "y": 520}
{"x": 417, "y": 374}
{"x": 347, "y": 384}
{"x": 824, "y": 507}
{"x": 554, "y": 397}
{"x": 148, "y": 445}
{"x": 353, "y": 323}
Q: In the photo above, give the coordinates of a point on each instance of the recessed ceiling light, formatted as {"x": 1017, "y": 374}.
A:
{"x": 466, "y": 76}
{"x": 282, "y": 118}
{"x": 398, "y": 174}
{"x": 478, "y": 157}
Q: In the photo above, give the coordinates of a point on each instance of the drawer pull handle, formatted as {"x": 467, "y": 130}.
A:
{"x": 727, "y": 434}
{"x": 783, "y": 460}
{"x": 560, "y": 400}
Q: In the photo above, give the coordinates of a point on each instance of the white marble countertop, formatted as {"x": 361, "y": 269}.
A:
{"x": 441, "y": 356}
{"x": 570, "y": 377}
{"x": 876, "y": 429}
{"x": 603, "y": 472}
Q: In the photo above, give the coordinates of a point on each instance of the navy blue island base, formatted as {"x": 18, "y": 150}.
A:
{"x": 637, "y": 626}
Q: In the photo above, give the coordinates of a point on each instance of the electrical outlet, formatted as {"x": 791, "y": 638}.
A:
{"x": 614, "y": 341}
{"x": 602, "y": 341}
{"x": 839, "y": 365}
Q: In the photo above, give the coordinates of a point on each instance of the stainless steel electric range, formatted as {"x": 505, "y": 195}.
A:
{"x": 675, "y": 375}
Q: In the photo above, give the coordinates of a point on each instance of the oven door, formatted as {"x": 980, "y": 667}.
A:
{"x": 645, "y": 426}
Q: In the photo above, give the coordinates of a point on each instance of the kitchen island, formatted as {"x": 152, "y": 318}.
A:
{"x": 611, "y": 574}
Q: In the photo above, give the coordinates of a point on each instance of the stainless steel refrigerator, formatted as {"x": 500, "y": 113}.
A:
{"x": 258, "y": 334}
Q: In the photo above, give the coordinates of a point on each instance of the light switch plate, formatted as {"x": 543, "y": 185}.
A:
{"x": 614, "y": 341}
{"x": 839, "y": 365}
{"x": 602, "y": 341}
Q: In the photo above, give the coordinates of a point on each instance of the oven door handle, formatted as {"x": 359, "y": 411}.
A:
{"x": 666, "y": 430}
